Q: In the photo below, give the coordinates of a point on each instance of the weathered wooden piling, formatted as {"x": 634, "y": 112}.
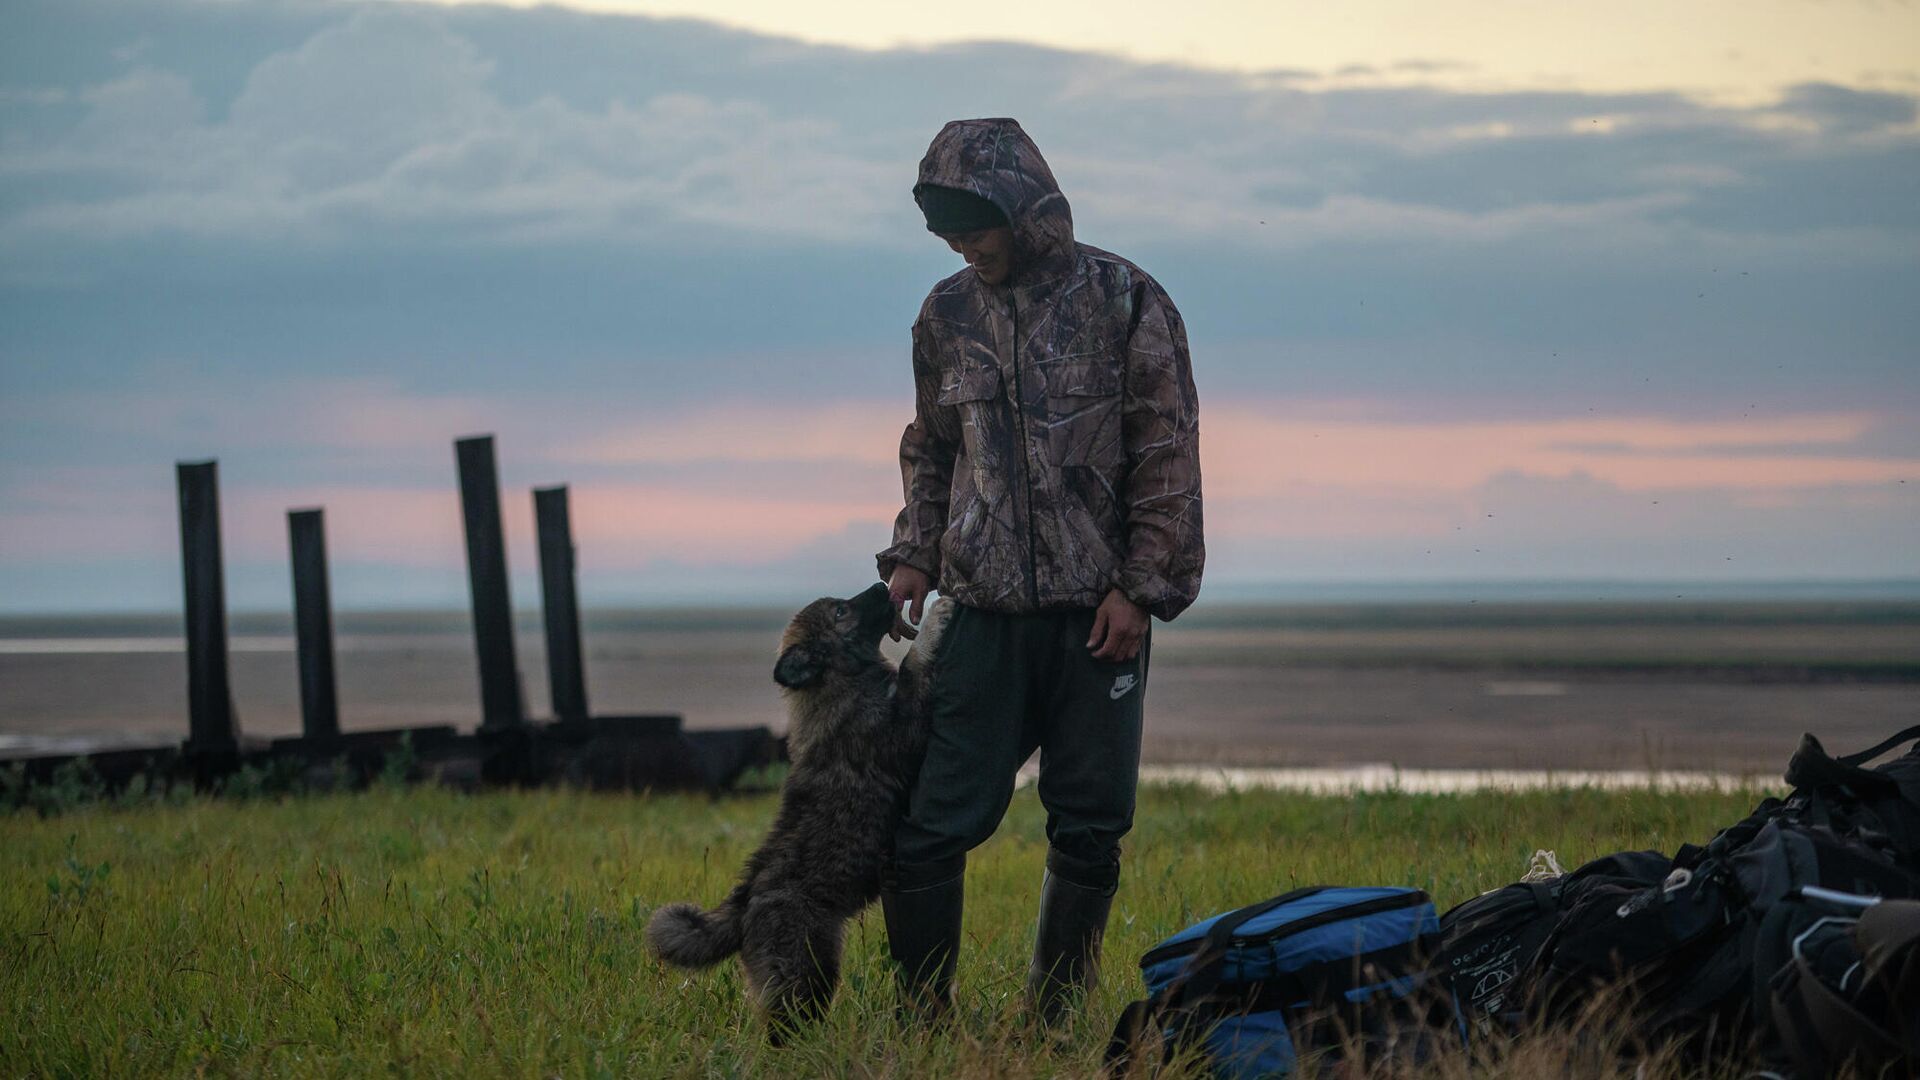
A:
{"x": 213, "y": 728}
{"x": 501, "y": 706}
{"x": 566, "y": 672}
{"x": 626, "y": 752}
{"x": 313, "y": 625}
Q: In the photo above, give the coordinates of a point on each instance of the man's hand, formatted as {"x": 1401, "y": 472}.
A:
{"x": 907, "y": 586}
{"x": 1118, "y": 628}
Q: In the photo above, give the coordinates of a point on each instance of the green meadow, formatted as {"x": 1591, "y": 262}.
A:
{"x": 426, "y": 932}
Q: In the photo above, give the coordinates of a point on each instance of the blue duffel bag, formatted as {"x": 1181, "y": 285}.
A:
{"x": 1315, "y": 969}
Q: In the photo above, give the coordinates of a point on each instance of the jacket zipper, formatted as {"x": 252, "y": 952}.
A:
{"x": 1026, "y": 449}
{"x": 1342, "y": 913}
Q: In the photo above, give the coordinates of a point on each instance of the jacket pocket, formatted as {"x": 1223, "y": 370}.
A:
{"x": 979, "y": 405}
{"x": 1083, "y": 413}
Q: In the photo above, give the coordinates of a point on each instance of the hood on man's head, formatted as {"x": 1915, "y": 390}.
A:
{"x": 994, "y": 159}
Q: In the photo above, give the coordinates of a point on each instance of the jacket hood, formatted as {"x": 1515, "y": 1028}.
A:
{"x": 994, "y": 159}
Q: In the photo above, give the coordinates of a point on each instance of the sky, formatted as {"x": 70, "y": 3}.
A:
{"x": 1730, "y": 50}
{"x": 1511, "y": 296}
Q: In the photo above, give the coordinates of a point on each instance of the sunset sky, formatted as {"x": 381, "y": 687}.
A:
{"x": 1487, "y": 292}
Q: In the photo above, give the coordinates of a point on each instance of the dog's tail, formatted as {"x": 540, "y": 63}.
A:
{"x": 686, "y": 936}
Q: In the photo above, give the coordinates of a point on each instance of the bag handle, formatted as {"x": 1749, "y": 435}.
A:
{"x": 1812, "y": 767}
{"x": 1202, "y": 974}
{"x": 1882, "y": 747}
{"x": 1219, "y": 934}
{"x": 1199, "y": 977}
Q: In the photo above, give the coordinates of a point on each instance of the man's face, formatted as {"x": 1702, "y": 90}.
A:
{"x": 989, "y": 252}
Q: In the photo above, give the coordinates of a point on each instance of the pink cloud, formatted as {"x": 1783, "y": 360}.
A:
{"x": 356, "y": 414}
{"x": 748, "y": 483}
{"x": 631, "y": 524}
{"x": 1249, "y": 453}
{"x": 753, "y": 432}
{"x": 80, "y": 511}
{"x": 1249, "y": 450}
{"x": 615, "y": 525}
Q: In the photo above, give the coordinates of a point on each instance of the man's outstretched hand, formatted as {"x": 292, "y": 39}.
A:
{"x": 1119, "y": 625}
{"x": 907, "y": 587}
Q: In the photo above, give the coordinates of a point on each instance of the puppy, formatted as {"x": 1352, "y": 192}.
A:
{"x": 856, "y": 731}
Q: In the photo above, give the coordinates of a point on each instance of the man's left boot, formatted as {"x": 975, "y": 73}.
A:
{"x": 1075, "y": 898}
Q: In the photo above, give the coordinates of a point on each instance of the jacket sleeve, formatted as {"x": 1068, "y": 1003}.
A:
{"x": 1160, "y": 426}
{"x": 927, "y": 449}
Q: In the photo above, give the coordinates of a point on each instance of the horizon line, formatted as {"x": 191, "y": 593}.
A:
{"x": 1238, "y": 594}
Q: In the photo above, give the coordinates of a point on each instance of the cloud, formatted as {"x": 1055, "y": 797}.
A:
{"x": 675, "y": 264}
{"x": 1843, "y": 109}
{"x": 391, "y": 115}
{"x": 386, "y": 119}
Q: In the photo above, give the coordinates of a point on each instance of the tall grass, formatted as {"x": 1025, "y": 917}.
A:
{"x": 425, "y": 932}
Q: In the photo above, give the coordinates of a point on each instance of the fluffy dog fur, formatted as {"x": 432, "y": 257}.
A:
{"x": 856, "y": 732}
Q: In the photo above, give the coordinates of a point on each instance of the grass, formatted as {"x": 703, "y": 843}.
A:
{"x": 425, "y": 932}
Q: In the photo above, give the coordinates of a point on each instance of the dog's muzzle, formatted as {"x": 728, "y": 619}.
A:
{"x": 876, "y": 610}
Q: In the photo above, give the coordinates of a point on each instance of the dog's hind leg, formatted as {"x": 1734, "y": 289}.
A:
{"x": 800, "y": 995}
{"x": 792, "y": 955}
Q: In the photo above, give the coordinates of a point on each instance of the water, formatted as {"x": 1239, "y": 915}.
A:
{"x": 1690, "y": 685}
{"x": 1383, "y": 777}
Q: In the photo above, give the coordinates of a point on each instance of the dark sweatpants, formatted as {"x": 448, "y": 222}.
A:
{"x": 1003, "y": 685}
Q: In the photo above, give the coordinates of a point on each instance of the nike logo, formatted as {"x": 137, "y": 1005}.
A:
{"x": 1120, "y": 687}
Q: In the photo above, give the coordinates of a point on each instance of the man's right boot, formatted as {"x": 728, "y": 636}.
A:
{"x": 922, "y": 905}
{"x": 1075, "y": 898}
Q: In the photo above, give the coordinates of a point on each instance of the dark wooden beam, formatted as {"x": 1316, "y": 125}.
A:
{"x": 313, "y": 624}
{"x": 501, "y": 706}
{"x": 566, "y": 672}
{"x": 212, "y": 726}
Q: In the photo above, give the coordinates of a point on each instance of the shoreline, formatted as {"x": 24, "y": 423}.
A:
{"x": 1716, "y": 688}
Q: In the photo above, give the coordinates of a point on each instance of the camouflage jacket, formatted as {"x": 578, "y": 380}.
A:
{"x": 1054, "y": 449}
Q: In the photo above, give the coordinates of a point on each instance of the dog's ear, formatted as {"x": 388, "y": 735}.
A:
{"x": 797, "y": 667}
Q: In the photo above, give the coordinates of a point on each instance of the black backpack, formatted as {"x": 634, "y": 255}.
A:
{"x": 1488, "y": 944}
{"x": 1680, "y": 952}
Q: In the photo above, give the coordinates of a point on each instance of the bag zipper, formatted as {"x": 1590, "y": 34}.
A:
{"x": 1026, "y": 447}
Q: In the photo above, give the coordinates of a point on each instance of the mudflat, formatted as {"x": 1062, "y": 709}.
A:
{"x": 1715, "y": 685}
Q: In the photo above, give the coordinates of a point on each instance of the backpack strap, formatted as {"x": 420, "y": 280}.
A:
{"x": 1772, "y": 957}
{"x": 1134, "y": 1022}
{"x": 1821, "y": 1029}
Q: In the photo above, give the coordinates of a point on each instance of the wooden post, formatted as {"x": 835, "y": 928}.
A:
{"x": 212, "y": 726}
{"x": 313, "y": 625}
{"x": 500, "y": 703}
{"x": 566, "y": 675}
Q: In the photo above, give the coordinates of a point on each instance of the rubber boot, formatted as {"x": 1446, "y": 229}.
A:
{"x": 922, "y": 905}
{"x": 1074, "y": 900}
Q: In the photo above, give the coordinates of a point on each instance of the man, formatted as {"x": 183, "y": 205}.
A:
{"x": 1052, "y": 483}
